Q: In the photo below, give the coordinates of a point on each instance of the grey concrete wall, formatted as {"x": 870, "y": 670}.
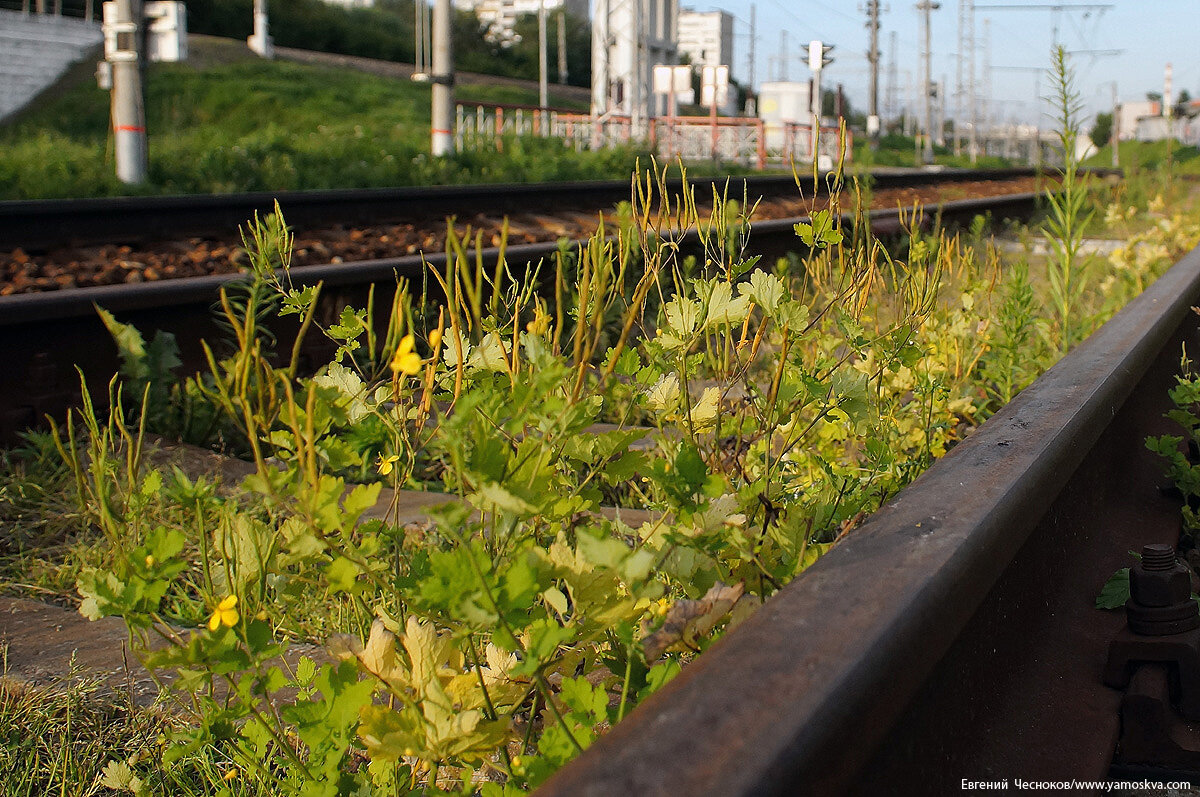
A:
{"x": 35, "y": 50}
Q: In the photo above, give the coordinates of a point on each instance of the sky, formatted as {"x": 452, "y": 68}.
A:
{"x": 1148, "y": 34}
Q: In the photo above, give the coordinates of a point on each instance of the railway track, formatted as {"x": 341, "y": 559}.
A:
{"x": 49, "y": 333}
{"x": 952, "y": 638}
{"x": 42, "y": 224}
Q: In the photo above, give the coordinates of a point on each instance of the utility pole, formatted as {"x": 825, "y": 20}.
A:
{"x": 562, "y": 45}
{"x": 818, "y": 59}
{"x": 783, "y": 55}
{"x": 421, "y": 38}
{"x": 927, "y": 6}
{"x": 959, "y": 87}
{"x": 985, "y": 94}
{"x": 972, "y": 95}
{"x": 890, "y": 105}
{"x": 543, "y": 68}
{"x": 260, "y": 42}
{"x": 128, "y": 113}
{"x": 753, "y": 39}
{"x": 873, "y": 59}
{"x": 1114, "y": 138}
{"x": 442, "y": 112}
{"x": 939, "y": 136}
{"x": 1168, "y": 110}
{"x": 639, "y": 70}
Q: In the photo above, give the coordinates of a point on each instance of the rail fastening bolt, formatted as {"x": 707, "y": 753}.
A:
{"x": 1159, "y": 579}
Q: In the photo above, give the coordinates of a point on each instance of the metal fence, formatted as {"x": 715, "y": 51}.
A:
{"x": 86, "y": 9}
{"x": 740, "y": 140}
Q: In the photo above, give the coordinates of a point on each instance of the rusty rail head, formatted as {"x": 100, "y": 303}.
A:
{"x": 44, "y": 223}
{"x": 776, "y": 234}
{"x": 796, "y": 699}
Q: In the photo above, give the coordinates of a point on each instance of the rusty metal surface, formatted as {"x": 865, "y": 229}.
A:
{"x": 51, "y": 222}
{"x": 1020, "y": 694}
{"x": 46, "y": 334}
{"x": 1152, "y": 734}
{"x": 802, "y": 695}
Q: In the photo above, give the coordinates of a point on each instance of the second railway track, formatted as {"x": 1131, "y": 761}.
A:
{"x": 50, "y": 333}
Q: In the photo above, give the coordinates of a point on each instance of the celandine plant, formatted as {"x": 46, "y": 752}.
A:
{"x": 636, "y": 450}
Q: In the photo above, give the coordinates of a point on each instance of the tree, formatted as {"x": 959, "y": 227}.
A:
{"x": 1101, "y": 131}
{"x": 579, "y": 47}
{"x": 1181, "y": 105}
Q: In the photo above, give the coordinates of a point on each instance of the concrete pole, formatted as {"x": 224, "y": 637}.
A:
{"x": 601, "y": 67}
{"x": 814, "y": 99}
{"x": 420, "y": 56}
{"x": 873, "y": 58}
{"x": 442, "y": 139}
{"x": 260, "y": 41}
{"x": 972, "y": 98}
{"x": 783, "y": 56}
{"x": 939, "y": 127}
{"x": 1114, "y": 138}
{"x": 985, "y": 99}
{"x": 927, "y": 68}
{"x": 890, "y": 104}
{"x": 1168, "y": 100}
{"x": 638, "y": 103}
{"x": 128, "y": 113}
{"x": 543, "y": 68}
{"x": 753, "y": 39}
{"x": 562, "y": 45}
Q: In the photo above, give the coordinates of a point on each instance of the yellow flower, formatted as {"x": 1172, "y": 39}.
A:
{"x": 149, "y": 561}
{"x": 435, "y": 338}
{"x": 405, "y": 360}
{"x": 230, "y": 775}
{"x": 540, "y": 323}
{"x": 225, "y": 614}
{"x": 387, "y": 464}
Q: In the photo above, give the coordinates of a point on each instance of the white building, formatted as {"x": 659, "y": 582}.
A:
{"x": 622, "y": 72}
{"x": 352, "y": 3}
{"x": 706, "y": 37}
{"x": 1131, "y": 112}
{"x": 501, "y": 15}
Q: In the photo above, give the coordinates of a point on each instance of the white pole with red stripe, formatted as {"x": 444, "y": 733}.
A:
{"x": 443, "y": 81}
{"x": 128, "y": 113}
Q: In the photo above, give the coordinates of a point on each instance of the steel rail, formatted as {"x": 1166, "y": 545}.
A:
{"x": 41, "y": 224}
{"x": 952, "y": 637}
{"x": 48, "y": 334}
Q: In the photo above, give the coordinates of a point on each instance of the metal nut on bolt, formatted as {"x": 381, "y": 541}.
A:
{"x": 1159, "y": 579}
{"x": 1160, "y": 589}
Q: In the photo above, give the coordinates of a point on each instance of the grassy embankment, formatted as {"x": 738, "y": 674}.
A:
{"x": 227, "y": 121}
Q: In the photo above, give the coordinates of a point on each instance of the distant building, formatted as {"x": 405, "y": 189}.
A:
{"x": 706, "y": 37}
{"x": 1144, "y": 121}
{"x": 622, "y": 72}
{"x": 352, "y": 3}
{"x": 1130, "y": 113}
{"x": 501, "y": 15}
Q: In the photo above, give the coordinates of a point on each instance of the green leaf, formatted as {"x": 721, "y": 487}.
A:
{"x": 131, "y": 346}
{"x": 555, "y": 599}
{"x": 723, "y": 309}
{"x": 491, "y": 497}
{"x": 1115, "y": 591}
{"x": 343, "y": 575}
{"x": 658, "y": 677}
{"x": 296, "y": 302}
